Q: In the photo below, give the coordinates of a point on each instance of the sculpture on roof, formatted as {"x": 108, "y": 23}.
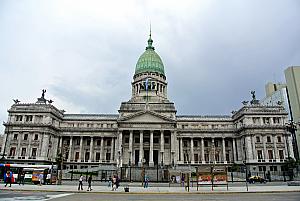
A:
{"x": 43, "y": 93}
{"x": 16, "y": 101}
{"x": 254, "y": 100}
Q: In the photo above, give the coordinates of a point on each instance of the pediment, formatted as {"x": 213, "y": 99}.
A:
{"x": 146, "y": 117}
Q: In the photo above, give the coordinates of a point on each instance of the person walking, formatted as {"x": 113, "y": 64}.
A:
{"x": 41, "y": 178}
{"x": 90, "y": 183}
{"x": 114, "y": 184}
{"x": 8, "y": 178}
{"x": 146, "y": 181}
{"x": 80, "y": 183}
{"x": 22, "y": 178}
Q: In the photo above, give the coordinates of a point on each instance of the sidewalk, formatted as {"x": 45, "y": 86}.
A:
{"x": 154, "y": 190}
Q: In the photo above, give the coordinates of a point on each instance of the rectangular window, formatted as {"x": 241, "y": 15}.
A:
{"x": 76, "y": 156}
{"x": 87, "y": 156}
{"x": 77, "y": 141}
{"x": 166, "y": 140}
{"x": 25, "y": 136}
{"x": 127, "y": 140}
{"x": 227, "y": 157}
{"x": 36, "y": 137}
{"x": 281, "y": 154}
{"x": 196, "y": 158}
{"x": 268, "y": 139}
{"x": 108, "y": 156}
{"x": 98, "y": 142}
{"x": 259, "y": 154}
{"x": 185, "y": 143}
{"x": 256, "y": 120}
{"x": 195, "y": 143}
{"x": 226, "y": 143}
{"x": 33, "y": 153}
{"x": 270, "y": 154}
{"x": 257, "y": 139}
{"x": 12, "y": 151}
{"x": 266, "y": 120}
{"x": 205, "y": 143}
{"x": 136, "y": 140}
{"x": 276, "y": 120}
{"x": 206, "y": 157}
{"x": 15, "y": 136}
{"x": 146, "y": 139}
{"x": 28, "y": 118}
{"x": 97, "y": 156}
{"x": 279, "y": 139}
{"x": 155, "y": 140}
{"x": 217, "y": 157}
{"x": 216, "y": 143}
{"x": 88, "y": 142}
{"x": 23, "y": 152}
{"x": 108, "y": 143}
{"x": 19, "y": 117}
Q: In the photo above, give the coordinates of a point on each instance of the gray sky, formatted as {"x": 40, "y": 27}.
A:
{"x": 84, "y": 52}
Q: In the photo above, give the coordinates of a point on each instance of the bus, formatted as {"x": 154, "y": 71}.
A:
{"x": 32, "y": 172}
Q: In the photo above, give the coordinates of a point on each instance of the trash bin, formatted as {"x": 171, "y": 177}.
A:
{"x": 126, "y": 188}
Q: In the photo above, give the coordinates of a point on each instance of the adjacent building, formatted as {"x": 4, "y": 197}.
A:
{"x": 147, "y": 131}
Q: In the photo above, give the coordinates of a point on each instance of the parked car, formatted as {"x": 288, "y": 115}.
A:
{"x": 254, "y": 179}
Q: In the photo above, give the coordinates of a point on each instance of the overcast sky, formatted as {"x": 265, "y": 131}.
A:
{"x": 84, "y": 52}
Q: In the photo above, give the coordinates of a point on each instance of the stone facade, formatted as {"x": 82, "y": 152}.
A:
{"x": 147, "y": 132}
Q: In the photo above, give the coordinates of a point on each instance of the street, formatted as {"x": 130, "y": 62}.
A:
{"x": 43, "y": 196}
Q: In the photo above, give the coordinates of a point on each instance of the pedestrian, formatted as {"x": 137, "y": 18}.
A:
{"x": 22, "y": 178}
{"x": 110, "y": 182}
{"x": 146, "y": 181}
{"x": 90, "y": 183}
{"x": 80, "y": 183}
{"x": 8, "y": 178}
{"x": 114, "y": 183}
{"x": 117, "y": 181}
{"x": 41, "y": 178}
{"x": 182, "y": 180}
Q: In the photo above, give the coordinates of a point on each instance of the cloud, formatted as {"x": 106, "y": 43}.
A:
{"x": 84, "y": 52}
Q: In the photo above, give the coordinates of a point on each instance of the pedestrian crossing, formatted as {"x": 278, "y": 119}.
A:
{"x": 11, "y": 197}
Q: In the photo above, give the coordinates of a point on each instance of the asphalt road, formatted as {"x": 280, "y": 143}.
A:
{"x": 40, "y": 196}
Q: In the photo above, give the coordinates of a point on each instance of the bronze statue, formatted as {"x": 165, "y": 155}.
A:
{"x": 43, "y": 93}
{"x": 16, "y": 101}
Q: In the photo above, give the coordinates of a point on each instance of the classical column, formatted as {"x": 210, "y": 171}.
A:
{"x": 112, "y": 149}
{"x": 285, "y": 146}
{"x": 130, "y": 147}
{"x": 162, "y": 148}
{"x": 141, "y": 149}
{"x": 81, "y": 149}
{"x": 41, "y": 139}
{"x": 181, "y": 151}
{"x": 151, "y": 163}
{"x": 213, "y": 154}
{"x": 19, "y": 145}
{"x": 290, "y": 144}
{"x": 192, "y": 151}
{"x": 70, "y": 149}
{"x": 29, "y": 146}
{"x": 91, "y": 150}
{"x": 202, "y": 150}
{"x": 254, "y": 154}
{"x": 264, "y": 147}
{"x": 234, "y": 150}
{"x": 248, "y": 148}
{"x": 224, "y": 150}
{"x": 275, "y": 147}
{"x": 101, "y": 149}
{"x": 3, "y": 144}
{"x": 60, "y": 144}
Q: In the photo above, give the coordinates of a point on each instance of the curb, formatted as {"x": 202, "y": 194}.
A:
{"x": 155, "y": 193}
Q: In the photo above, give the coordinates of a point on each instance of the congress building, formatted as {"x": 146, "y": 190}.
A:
{"x": 147, "y": 132}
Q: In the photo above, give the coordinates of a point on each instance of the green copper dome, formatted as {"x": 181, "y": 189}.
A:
{"x": 149, "y": 61}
